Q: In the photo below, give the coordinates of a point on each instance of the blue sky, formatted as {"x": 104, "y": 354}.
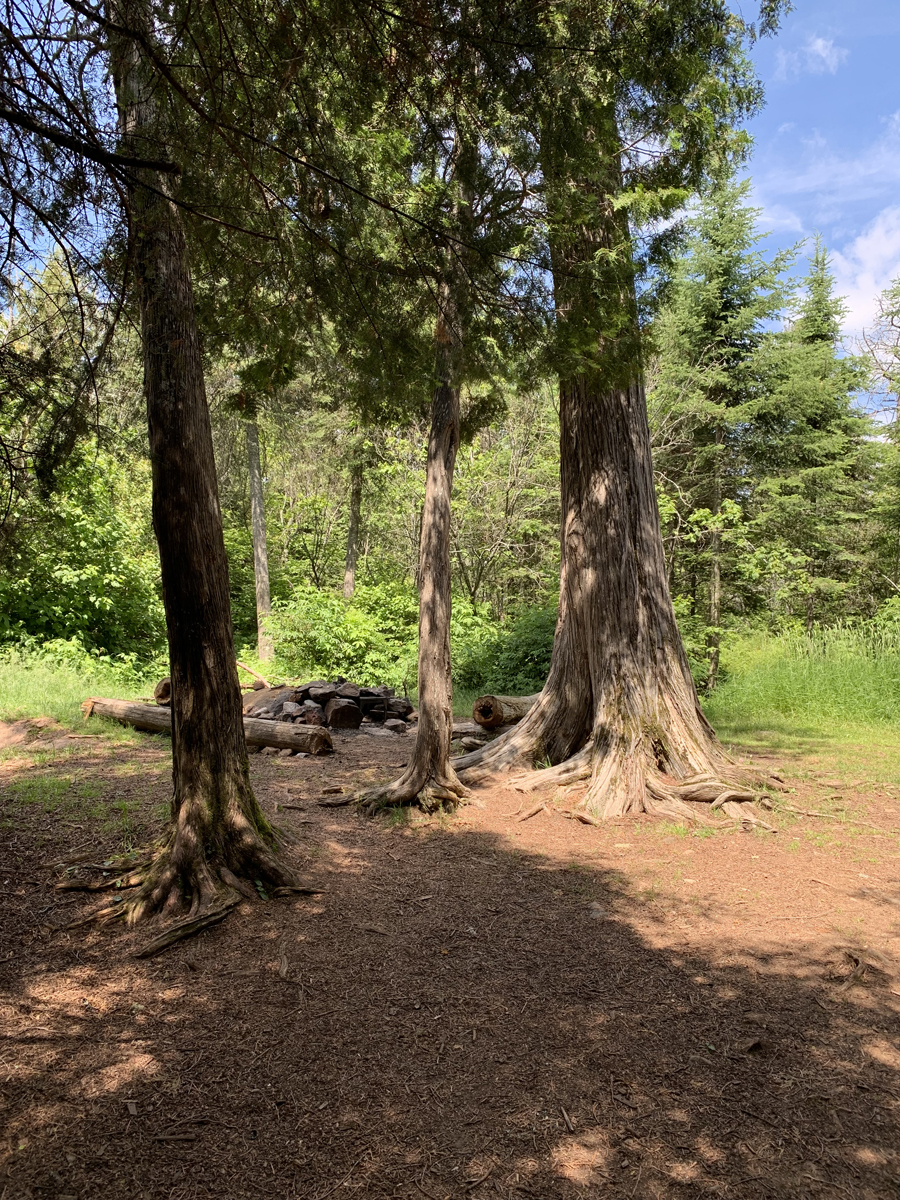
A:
{"x": 827, "y": 154}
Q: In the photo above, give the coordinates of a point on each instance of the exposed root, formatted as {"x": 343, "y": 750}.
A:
{"x": 629, "y": 776}
{"x": 191, "y": 925}
{"x": 190, "y": 886}
{"x": 432, "y": 791}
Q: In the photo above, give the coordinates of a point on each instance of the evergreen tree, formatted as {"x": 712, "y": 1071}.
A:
{"x": 810, "y": 454}
{"x": 724, "y": 294}
{"x": 619, "y": 706}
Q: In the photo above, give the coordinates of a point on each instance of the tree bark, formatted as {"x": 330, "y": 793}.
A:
{"x": 356, "y": 484}
{"x": 429, "y": 779}
{"x": 619, "y": 707}
{"x": 218, "y": 830}
{"x": 265, "y": 645}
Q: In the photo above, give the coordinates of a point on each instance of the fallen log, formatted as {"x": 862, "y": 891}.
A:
{"x": 307, "y": 739}
{"x": 491, "y": 711}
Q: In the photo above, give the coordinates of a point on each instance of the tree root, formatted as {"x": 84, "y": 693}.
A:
{"x": 190, "y": 926}
{"x": 189, "y": 888}
{"x": 625, "y": 779}
{"x": 431, "y": 791}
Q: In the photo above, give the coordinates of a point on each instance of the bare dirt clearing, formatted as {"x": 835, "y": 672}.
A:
{"x": 475, "y": 1006}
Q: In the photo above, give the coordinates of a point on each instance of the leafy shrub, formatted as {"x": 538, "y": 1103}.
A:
{"x": 512, "y": 659}
{"x": 371, "y": 639}
{"x": 82, "y": 567}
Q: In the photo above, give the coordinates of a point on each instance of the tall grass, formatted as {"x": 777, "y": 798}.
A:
{"x": 53, "y": 681}
{"x": 846, "y": 675}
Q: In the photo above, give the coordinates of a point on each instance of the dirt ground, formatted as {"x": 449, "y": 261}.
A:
{"x": 475, "y": 1006}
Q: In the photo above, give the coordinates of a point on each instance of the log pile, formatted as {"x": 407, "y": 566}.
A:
{"x": 336, "y": 704}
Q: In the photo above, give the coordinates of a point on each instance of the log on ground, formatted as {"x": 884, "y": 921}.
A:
{"x": 493, "y": 711}
{"x": 307, "y": 739}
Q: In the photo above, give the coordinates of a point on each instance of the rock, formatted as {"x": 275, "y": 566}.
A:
{"x": 285, "y": 753}
{"x": 257, "y": 685}
{"x": 373, "y": 707}
{"x": 270, "y": 750}
{"x": 253, "y": 702}
{"x": 399, "y": 707}
{"x": 291, "y": 708}
{"x": 395, "y": 725}
{"x": 322, "y": 693}
{"x": 313, "y": 714}
{"x": 342, "y": 714}
{"x": 348, "y": 691}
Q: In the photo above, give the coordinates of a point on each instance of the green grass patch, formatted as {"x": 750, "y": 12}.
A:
{"x": 831, "y": 699}
{"x": 54, "y": 684}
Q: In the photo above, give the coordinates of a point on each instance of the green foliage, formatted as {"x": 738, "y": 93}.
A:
{"x": 849, "y": 673}
{"x": 766, "y": 468}
{"x": 370, "y": 641}
{"x": 53, "y": 678}
{"x": 510, "y": 659}
{"x": 82, "y": 564}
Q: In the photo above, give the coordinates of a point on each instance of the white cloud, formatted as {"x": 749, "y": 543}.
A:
{"x": 865, "y": 267}
{"x": 820, "y": 56}
{"x": 827, "y": 184}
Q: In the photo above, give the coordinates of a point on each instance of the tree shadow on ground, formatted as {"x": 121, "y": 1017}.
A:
{"x": 452, "y": 1018}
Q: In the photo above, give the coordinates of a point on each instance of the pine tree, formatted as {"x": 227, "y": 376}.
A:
{"x": 809, "y": 451}
{"x": 724, "y": 294}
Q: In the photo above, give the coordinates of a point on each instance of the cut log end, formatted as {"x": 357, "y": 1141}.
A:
{"x": 490, "y": 711}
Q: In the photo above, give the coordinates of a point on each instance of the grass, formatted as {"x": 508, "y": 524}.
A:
{"x": 34, "y": 686}
{"x": 832, "y": 699}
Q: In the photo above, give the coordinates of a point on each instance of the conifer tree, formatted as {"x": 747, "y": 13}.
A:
{"x": 724, "y": 293}
{"x": 809, "y": 452}
{"x": 619, "y": 707}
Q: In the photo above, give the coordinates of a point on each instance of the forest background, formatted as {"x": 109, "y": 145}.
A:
{"x": 779, "y": 491}
{"x": 777, "y": 477}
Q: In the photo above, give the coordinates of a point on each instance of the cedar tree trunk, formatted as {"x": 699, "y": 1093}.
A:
{"x": 429, "y": 779}
{"x": 218, "y": 831}
{"x": 265, "y": 645}
{"x": 619, "y": 707}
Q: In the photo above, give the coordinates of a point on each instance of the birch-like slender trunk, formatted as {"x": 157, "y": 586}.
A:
{"x": 265, "y": 645}
{"x": 356, "y": 486}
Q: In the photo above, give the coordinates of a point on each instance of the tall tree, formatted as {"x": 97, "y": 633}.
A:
{"x": 219, "y": 833}
{"x": 619, "y": 707}
{"x": 264, "y": 642}
{"x": 429, "y": 778}
{"x": 812, "y": 458}
{"x": 724, "y": 295}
